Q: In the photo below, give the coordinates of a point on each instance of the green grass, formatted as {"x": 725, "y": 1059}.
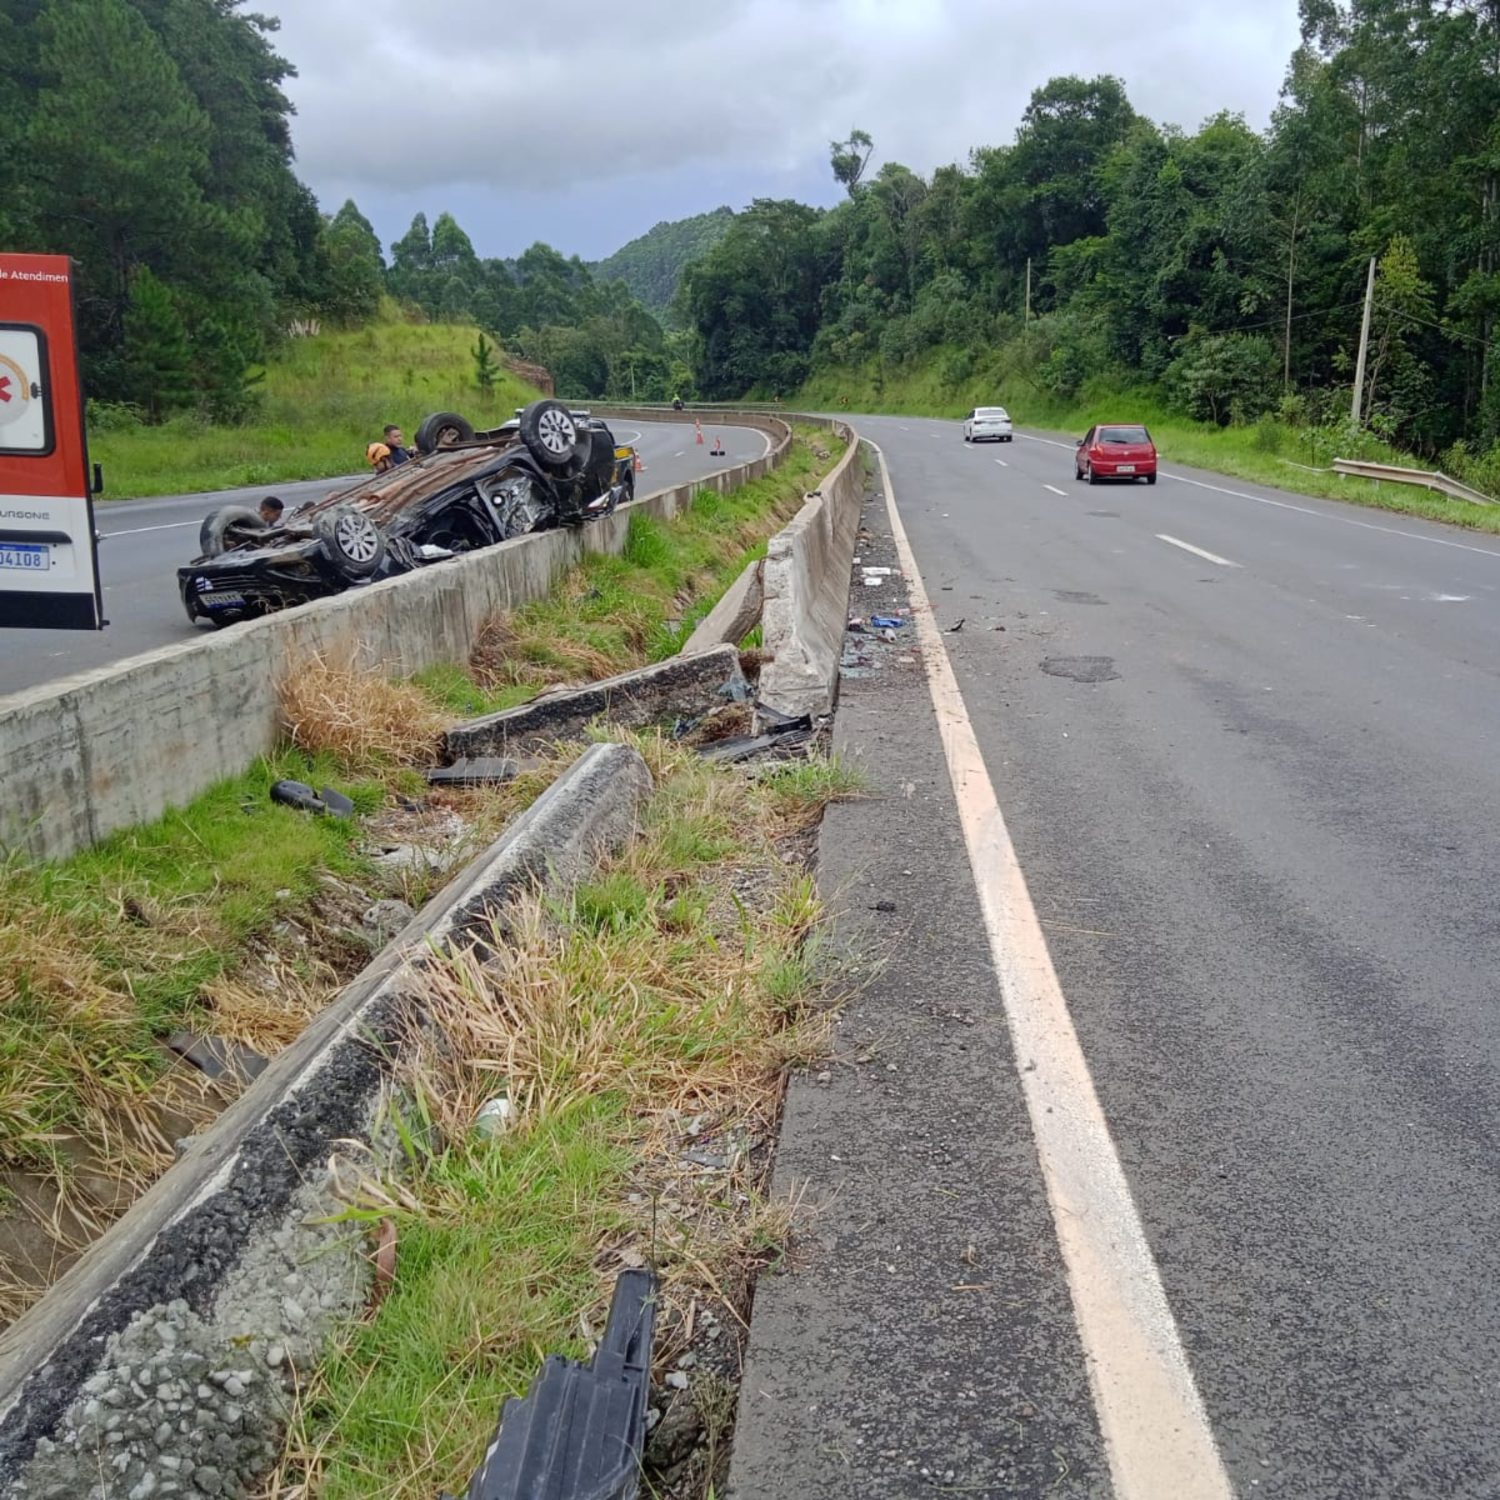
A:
{"x": 102, "y": 953}
{"x": 325, "y": 398}
{"x": 1270, "y": 452}
{"x": 655, "y": 992}
{"x": 612, "y": 613}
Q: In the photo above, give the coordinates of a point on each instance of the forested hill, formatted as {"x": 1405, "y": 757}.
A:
{"x": 652, "y": 264}
{"x": 1227, "y": 265}
{"x": 150, "y": 140}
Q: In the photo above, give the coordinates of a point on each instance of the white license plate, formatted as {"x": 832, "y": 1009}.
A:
{"x": 221, "y": 601}
{"x": 1125, "y": 469}
{"x": 26, "y": 557}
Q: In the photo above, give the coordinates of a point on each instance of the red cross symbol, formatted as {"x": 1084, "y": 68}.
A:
{"x": 5, "y": 389}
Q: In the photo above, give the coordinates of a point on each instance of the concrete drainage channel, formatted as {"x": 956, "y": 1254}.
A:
{"x": 162, "y": 1363}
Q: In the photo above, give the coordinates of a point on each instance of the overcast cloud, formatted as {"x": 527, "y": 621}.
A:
{"x": 583, "y": 124}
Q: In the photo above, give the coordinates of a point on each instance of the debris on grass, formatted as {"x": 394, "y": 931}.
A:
{"x": 639, "y": 1032}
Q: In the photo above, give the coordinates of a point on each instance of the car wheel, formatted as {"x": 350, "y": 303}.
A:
{"x": 441, "y": 430}
{"x": 1151, "y": 479}
{"x": 228, "y": 526}
{"x": 1093, "y": 478}
{"x": 352, "y": 540}
{"x": 555, "y": 439}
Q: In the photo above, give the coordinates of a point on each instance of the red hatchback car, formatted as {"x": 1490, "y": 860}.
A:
{"x": 1115, "y": 451}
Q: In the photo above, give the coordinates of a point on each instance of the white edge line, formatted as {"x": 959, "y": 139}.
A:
{"x": 1055, "y": 490}
{"x": 1212, "y": 557}
{"x": 141, "y": 530}
{"x": 1155, "y": 1429}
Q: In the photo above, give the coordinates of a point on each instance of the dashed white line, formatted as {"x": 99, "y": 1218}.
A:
{"x": 1212, "y": 557}
{"x": 1306, "y": 510}
{"x": 1055, "y": 490}
{"x": 1002, "y": 463}
{"x": 1155, "y": 1429}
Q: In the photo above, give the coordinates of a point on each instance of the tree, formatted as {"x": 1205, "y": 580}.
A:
{"x": 116, "y": 152}
{"x": 849, "y": 159}
{"x": 485, "y": 370}
{"x": 159, "y": 360}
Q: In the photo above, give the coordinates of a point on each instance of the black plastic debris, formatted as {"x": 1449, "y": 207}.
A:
{"x": 336, "y": 804}
{"x": 475, "y": 770}
{"x": 577, "y": 1434}
{"x": 301, "y": 796}
{"x": 216, "y": 1057}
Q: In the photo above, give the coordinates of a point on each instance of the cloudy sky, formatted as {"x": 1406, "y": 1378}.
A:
{"x": 583, "y": 124}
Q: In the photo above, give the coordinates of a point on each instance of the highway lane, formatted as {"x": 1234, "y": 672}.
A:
{"x": 1246, "y": 745}
{"x": 145, "y": 541}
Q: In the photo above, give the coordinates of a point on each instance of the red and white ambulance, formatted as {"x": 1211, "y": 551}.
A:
{"x": 49, "y": 570}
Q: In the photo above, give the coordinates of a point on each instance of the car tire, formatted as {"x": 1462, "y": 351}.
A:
{"x": 226, "y": 527}
{"x": 554, "y": 438}
{"x": 352, "y": 541}
{"x": 441, "y": 430}
{"x": 1151, "y": 479}
{"x": 1093, "y": 478}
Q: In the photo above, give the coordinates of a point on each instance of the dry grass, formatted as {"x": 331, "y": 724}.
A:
{"x": 655, "y": 1010}
{"x": 368, "y": 723}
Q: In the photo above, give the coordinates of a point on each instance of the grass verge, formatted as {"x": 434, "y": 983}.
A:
{"x": 654, "y": 1011}
{"x": 614, "y": 613}
{"x": 325, "y": 398}
{"x": 1270, "y": 452}
{"x": 232, "y": 915}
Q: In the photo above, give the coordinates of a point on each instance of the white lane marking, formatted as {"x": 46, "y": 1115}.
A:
{"x": 1055, "y": 490}
{"x": 1150, "y": 1414}
{"x": 1002, "y": 463}
{"x": 1306, "y": 510}
{"x": 1212, "y": 557}
{"x": 679, "y": 455}
{"x": 140, "y": 530}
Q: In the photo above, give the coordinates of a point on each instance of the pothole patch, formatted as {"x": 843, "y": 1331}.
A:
{"x": 1082, "y": 668}
{"x": 1076, "y": 596}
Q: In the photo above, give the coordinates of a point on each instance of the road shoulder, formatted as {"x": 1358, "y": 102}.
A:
{"x": 920, "y": 1335}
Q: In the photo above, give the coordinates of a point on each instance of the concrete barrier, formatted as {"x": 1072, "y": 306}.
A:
{"x": 806, "y": 587}
{"x": 164, "y": 1362}
{"x": 118, "y": 746}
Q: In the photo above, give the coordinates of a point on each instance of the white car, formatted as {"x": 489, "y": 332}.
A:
{"x": 987, "y": 424}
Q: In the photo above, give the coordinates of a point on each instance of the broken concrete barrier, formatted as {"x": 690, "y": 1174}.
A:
{"x": 649, "y": 695}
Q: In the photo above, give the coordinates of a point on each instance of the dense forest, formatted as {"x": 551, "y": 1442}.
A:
{"x": 151, "y": 141}
{"x": 652, "y": 264}
{"x": 1226, "y": 266}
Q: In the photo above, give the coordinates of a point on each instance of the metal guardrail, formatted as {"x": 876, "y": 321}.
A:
{"x": 1357, "y": 468}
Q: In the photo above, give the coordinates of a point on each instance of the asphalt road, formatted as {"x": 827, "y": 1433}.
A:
{"x": 147, "y": 540}
{"x": 1248, "y": 748}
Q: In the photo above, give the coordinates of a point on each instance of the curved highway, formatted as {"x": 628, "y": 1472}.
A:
{"x": 145, "y": 541}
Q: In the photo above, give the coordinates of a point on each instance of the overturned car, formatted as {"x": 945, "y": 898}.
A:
{"x": 548, "y": 467}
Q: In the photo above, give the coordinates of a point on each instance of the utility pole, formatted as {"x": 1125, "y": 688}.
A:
{"x": 1028, "y": 289}
{"x": 1356, "y": 410}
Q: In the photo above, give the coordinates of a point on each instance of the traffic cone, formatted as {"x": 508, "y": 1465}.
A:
{"x": 640, "y": 468}
{"x": 699, "y": 426}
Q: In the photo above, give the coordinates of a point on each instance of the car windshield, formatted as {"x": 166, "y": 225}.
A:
{"x": 1124, "y": 435}
{"x": 984, "y": 412}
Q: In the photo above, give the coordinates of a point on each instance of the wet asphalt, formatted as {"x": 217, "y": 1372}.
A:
{"x": 146, "y": 541}
{"x": 1248, "y": 748}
